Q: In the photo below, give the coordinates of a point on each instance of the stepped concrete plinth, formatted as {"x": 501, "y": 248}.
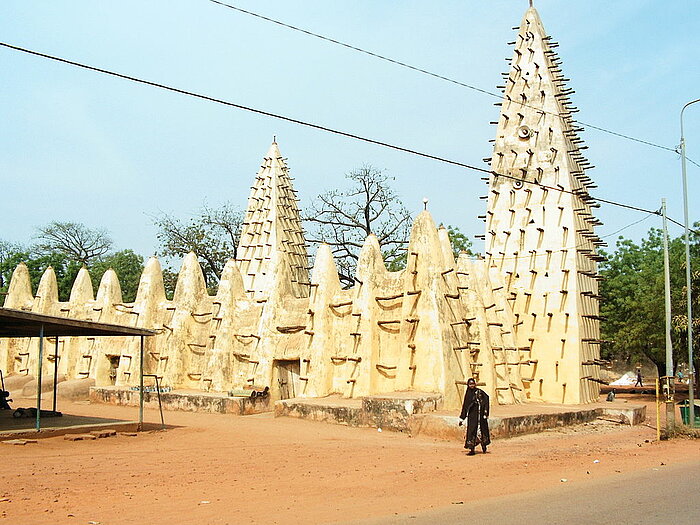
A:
{"x": 183, "y": 400}
{"x": 25, "y": 427}
{"x": 386, "y": 411}
{"x": 332, "y": 409}
{"x": 411, "y": 412}
{"x": 418, "y": 413}
{"x": 514, "y": 420}
{"x": 394, "y": 411}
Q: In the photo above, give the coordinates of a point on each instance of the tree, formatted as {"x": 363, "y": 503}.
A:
{"x": 633, "y": 299}
{"x": 680, "y": 319}
{"x": 344, "y": 218}
{"x": 65, "y": 269}
{"x": 169, "y": 282}
{"x": 82, "y": 246}
{"x": 74, "y": 240}
{"x": 459, "y": 242}
{"x": 212, "y": 235}
{"x": 128, "y": 266}
{"x": 8, "y": 251}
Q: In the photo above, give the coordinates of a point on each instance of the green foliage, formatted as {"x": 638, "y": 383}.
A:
{"x": 395, "y": 263}
{"x": 460, "y": 243}
{"x": 633, "y": 298}
{"x": 212, "y": 235}
{"x": 65, "y": 270}
{"x": 8, "y": 262}
{"x": 128, "y": 266}
{"x": 66, "y": 247}
{"x": 74, "y": 240}
{"x": 680, "y": 317}
{"x": 169, "y": 281}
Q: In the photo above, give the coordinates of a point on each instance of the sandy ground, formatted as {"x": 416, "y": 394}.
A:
{"x": 218, "y": 469}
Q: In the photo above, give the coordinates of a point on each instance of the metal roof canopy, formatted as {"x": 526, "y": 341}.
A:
{"x": 18, "y": 323}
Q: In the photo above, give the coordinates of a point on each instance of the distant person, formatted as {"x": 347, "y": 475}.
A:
{"x": 611, "y": 396}
{"x": 4, "y": 400}
{"x": 639, "y": 377}
{"x": 475, "y": 409}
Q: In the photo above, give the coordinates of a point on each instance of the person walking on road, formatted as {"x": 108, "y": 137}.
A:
{"x": 639, "y": 377}
{"x": 475, "y": 409}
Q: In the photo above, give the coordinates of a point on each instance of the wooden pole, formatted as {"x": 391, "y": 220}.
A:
{"x": 658, "y": 412}
{"x": 141, "y": 386}
{"x": 55, "y": 372}
{"x": 668, "y": 397}
{"x": 38, "y": 380}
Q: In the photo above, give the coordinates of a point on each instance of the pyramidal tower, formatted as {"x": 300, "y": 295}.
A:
{"x": 272, "y": 236}
{"x": 539, "y": 224}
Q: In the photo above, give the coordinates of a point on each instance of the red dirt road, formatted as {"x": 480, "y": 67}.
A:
{"x": 218, "y": 469}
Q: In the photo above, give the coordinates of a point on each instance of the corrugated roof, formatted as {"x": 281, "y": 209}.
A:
{"x": 18, "y": 323}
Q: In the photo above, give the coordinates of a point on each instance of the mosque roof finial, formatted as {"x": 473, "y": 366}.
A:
{"x": 274, "y": 139}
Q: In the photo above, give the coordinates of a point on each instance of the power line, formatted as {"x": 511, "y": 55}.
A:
{"x": 530, "y": 256}
{"x": 682, "y": 225}
{"x": 314, "y": 126}
{"x": 631, "y": 224}
{"x": 692, "y": 161}
{"x": 242, "y": 107}
{"x": 429, "y": 73}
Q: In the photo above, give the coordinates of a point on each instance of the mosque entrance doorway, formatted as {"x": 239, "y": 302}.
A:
{"x": 113, "y": 368}
{"x": 286, "y": 378}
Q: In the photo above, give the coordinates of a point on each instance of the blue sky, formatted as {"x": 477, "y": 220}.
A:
{"x": 80, "y": 146}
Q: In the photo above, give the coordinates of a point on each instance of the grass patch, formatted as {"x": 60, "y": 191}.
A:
{"x": 680, "y": 431}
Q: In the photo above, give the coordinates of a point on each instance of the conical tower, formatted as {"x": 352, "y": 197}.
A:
{"x": 272, "y": 234}
{"x": 539, "y": 224}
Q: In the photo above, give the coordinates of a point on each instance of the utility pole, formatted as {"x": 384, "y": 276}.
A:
{"x": 688, "y": 281}
{"x": 670, "y": 409}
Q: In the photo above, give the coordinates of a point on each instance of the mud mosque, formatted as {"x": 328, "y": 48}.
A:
{"x": 523, "y": 320}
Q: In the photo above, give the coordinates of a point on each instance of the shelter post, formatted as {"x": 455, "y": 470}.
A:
{"x": 55, "y": 373}
{"x": 141, "y": 386}
{"x": 38, "y": 380}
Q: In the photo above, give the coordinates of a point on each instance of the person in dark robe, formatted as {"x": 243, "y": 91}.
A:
{"x": 475, "y": 409}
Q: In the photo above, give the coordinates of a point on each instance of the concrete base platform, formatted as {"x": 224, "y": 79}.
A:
{"x": 332, "y": 409}
{"x": 183, "y": 400}
{"x": 390, "y": 411}
{"x": 412, "y": 412}
{"x": 24, "y": 428}
{"x": 415, "y": 413}
{"x": 527, "y": 419}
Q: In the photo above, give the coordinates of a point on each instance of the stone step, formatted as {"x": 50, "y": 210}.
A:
{"x": 513, "y": 424}
{"x": 187, "y": 401}
{"x": 386, "y": 411}
{"x": 416, "y": 413}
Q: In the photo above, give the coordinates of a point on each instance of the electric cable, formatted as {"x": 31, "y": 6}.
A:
{"x": 692, "y": 161}
{"x": 530, "y": 256}
{"x": 316, "y": 126}
{"x": 429, "y": 73}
